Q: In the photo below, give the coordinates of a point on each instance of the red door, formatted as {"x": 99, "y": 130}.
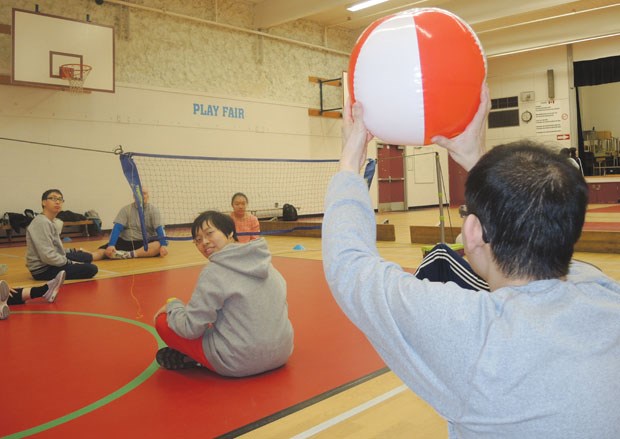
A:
{"x": 458, "y": 176}
{"x": 391, "y": 177}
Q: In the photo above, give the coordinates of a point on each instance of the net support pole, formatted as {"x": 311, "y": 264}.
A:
{"x": 442, "y": 227}
{"x": 369, "y": 171}
{"x": 133, "y": 178}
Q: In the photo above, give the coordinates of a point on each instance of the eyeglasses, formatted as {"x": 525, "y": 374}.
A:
{"x": 55, "y": 199}
{"x": 463, "y": 212}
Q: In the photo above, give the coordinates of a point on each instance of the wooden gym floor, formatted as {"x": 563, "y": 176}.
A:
{"x": 347, "y": 396}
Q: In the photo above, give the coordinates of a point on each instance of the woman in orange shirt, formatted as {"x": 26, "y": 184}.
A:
{"x": 245, "y": 222}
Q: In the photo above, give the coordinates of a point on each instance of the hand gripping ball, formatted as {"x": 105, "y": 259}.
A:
{"x": 418, "y": 74}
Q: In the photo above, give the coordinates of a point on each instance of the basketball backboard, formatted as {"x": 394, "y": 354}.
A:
{"x": 43, "y": 43}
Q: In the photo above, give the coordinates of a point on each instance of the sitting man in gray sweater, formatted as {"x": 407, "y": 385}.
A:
{"x": 45, "y": 254}
{"x": 536, "y": 357}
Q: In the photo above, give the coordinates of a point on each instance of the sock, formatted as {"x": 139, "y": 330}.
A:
{"x": 15, "y": 298}
{"x": 36, "y": 292}
{"x": 132, "y": 254}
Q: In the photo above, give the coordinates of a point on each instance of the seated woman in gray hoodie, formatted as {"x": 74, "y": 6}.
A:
{"x": 236, "y": 321}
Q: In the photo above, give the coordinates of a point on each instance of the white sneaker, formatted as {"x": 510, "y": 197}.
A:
{"x": 3, "y": 269}
{"x": 5, "y": 292}
{"x": 121, "y": 254}
{"x": 53, "y": 286}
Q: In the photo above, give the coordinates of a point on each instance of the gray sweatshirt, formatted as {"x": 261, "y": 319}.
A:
{"x": 536, "y": 361}
{"x": 129, "y": 218}
{"x": 43, "y": 245}
{"x": 239, "y": 309}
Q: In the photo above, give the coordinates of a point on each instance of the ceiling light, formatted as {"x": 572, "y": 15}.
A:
{"x": 363, "y": 5}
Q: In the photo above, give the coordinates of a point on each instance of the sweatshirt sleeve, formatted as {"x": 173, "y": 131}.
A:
{"x": 116, "y": 232}
{"x": 424, "y": 331}
{"x": 161, "y": 235}
{"x": 191, "y": 321}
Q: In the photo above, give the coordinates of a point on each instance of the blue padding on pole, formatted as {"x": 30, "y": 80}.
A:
{"x": 369, "y": 171}
{"x": 133, "y": 178}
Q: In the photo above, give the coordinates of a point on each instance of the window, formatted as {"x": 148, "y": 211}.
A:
{"x": 504, "y": 112}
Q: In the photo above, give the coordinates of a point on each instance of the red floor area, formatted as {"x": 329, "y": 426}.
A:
{"x": 607, "y": 209}
{"x": 600, "y": 227}
{"x": 88, "y": 375}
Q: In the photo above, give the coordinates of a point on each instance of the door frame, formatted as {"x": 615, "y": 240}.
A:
{"x": 392, "y": 206}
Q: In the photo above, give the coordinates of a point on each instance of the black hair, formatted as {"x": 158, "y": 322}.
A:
{"x": 531, "y": 203}
{"x": 239, "y": 194}
{"x": 224, "y": 223}
{"x": 48, "y": 192}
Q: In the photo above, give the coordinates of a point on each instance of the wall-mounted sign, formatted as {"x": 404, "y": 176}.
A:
{"x": 549, "y": 117}
{"x": 219, "y": 111}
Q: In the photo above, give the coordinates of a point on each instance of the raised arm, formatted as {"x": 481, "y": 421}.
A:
{"x": 355, "y": 138}
{"x": 469, "y": 146}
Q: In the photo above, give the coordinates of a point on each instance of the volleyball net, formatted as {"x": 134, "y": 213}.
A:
{"x": 181, "y": 187}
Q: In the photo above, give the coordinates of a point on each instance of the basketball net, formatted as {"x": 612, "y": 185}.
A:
{"x": 75, "y": 74}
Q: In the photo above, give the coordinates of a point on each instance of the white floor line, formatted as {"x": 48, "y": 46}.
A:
{"x": 145, "y": 270}
{"x": 350, "y": 413}
{"x": 8, "y": 255}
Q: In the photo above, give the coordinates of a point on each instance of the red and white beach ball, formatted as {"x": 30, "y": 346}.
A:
{"x": 417, "y": 74}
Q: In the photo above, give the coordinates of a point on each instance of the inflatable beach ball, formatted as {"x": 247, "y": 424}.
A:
{"x": 417, "y": 74}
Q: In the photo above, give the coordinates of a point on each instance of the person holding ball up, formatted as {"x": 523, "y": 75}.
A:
{"x": 537, "y": 356}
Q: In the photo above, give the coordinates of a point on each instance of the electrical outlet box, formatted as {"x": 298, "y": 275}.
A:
{"x": 527, "y": 96}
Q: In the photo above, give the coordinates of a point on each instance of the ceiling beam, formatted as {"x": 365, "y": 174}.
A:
{"x": 598, "y": 23}
{"x": 271, "y": 13}
{"x": 478, "y": 11}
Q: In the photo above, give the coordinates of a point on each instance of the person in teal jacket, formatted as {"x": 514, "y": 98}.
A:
{"x": 536, "y": 357}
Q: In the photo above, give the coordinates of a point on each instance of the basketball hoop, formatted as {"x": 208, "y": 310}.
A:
{"x": 75, "y": 74}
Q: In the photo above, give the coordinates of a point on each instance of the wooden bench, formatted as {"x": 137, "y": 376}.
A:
{"x": 81, "y": 225}
{"x": 10, "y": 234}
{"x": 7, "y": 230}
{"x": 270, "y": 213}
{"x": 591, "y": 240}
{"x": 263, "y": 214}
{"x": 432, "y": 234}
{"x": 385, "y": 232}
